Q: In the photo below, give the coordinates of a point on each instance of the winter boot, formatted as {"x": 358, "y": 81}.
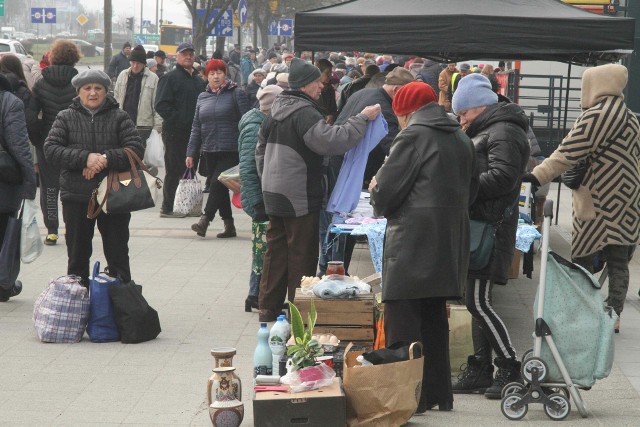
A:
{"x": 229, "y": 229}
{"x": 508, "y": 372}
{"x": 201, "y": 226}
{"x": 475, "y": 378}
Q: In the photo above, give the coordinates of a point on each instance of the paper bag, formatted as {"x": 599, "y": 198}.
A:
{"x": 460, "y": 340}
{"x": 382, "y": 395}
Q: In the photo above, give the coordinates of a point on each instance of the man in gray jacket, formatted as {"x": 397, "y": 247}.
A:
{"x": 291, "y": 143}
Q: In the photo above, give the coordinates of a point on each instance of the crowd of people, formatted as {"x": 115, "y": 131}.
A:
{"x": 456, "y": 149}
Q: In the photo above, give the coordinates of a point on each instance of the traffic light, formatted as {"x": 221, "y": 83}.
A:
{"x": 130, "y": 23}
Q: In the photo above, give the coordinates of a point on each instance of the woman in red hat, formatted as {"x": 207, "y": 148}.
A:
{"x": 424, "y": 190}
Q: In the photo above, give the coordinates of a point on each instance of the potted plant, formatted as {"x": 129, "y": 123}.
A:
{"x": 305, "y": 350}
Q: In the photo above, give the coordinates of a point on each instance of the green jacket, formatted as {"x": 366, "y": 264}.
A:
{"x": 251, "y": 189}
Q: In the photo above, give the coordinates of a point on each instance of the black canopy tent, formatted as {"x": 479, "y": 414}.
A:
{"x": 456, "y": 30}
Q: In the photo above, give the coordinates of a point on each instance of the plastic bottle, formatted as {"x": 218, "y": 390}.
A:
{"x": 278, "y": 337}
{"x": 262, "y": 358}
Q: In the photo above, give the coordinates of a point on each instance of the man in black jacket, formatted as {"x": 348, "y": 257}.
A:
{"x": 176, "y": 99}
{"x": 120, "y": 62}
{"x": 357, "y": 85}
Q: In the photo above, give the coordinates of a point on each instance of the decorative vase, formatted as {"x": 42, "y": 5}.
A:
{"x": 225, "y": 409}
{"x": 223, "y": 357}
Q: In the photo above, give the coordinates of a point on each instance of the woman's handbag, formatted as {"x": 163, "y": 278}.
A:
{"x": 10, "y": 253}
{"x": 188, "y": 200}
{"x": 10, "y": 172}
{"x": 31, "y": 245}
{"x": 125, "y": 192}
{"x": 573, "y": 177}
{"x": 482, "y": 240}
{"x": 61, "y": 312}
{"x": 102, "y": 325}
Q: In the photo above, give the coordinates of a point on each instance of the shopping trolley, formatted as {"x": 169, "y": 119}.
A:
{"x": 573, "y": 338}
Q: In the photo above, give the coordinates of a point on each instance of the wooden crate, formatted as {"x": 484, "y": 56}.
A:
{"x": 348, "y": 319}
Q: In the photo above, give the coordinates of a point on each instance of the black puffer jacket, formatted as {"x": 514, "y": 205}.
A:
{"x": 176, "y": 98}
{"x": 76, "y": 133}
{"x": 19, "y": 88}
{"x": 52, "y": 94}
{"x": 499, "y": 135}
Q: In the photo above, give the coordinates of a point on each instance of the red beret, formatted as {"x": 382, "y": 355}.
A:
{"x": 215, "y": 65}
{"x": 411, "y": 97}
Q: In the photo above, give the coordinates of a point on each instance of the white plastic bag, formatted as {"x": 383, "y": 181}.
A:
{"x": 31, "y": 245}
{"x": 188, "y": 198}
{"x": 309, "y": 378}
{"x": 154, "y": 153}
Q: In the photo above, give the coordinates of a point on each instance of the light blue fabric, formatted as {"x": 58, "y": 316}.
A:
{"x": 581, "y": 325}
{"x": 346, "y": 192}
{"x": 375, "y": 235}
{"x": 525, "y": 235}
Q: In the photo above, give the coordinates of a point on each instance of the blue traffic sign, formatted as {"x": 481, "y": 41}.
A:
{"x": 242, "y": 11}
{"x": 224, "y": 26}
{"x": 281, "y": 27}
{"x": 43, "y": 15}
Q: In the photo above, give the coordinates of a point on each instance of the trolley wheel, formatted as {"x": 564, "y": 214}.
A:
{"x": 534, "y": 362}
{"x": 513, "y": 388}
{"x": 506, "y": 407}
{"x": 563, "y": 412}
{"x": 527, "y": 355}
{"x": 551, "y": 390}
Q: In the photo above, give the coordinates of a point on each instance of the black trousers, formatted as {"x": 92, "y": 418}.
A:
{"x": 175, "y": 153}
{"x": 218, "y": 200}
{"x": 114, "y": 229}
{"x": 49, "y": 192}
{"x": 424, "y": 320}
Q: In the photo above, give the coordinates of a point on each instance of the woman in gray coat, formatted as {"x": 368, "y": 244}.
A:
{"x": 424, "y": 190}
{"x": 14, "y": 140}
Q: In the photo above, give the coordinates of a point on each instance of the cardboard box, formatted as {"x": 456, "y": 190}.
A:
{"x": 317, "y": 408}
{"x": 524, "y": 201}
{"x": 349, "y": 319}
{"x": 516, "y": 262}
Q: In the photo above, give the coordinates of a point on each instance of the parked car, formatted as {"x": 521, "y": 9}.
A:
{"x": 87, "y": 48}
{"x": 13, "y": 46}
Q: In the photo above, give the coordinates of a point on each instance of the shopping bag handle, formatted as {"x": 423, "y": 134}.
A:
{"x": 96, "y": 269}
{"x": 416, "y": 344}
{"x": 189, "y": 173}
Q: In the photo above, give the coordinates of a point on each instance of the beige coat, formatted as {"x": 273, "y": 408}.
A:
{"x": 444, "y": 80}
{"x": 606, "y": 207}
{"x": 147, "y": 115}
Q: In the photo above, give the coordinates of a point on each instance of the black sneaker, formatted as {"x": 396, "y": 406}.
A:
{"x": 10, "y": 293}
{"x": 474, "y": 378}
{"x": 508, "y": 372}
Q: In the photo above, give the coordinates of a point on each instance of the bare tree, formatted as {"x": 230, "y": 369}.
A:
{"x": 201, "y": 27}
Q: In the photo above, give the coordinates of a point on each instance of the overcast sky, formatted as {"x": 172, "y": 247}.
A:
{"x": 173, "y": 10}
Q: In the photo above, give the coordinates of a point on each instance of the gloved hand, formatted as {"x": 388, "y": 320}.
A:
{"x": 529, "y": 177}
{"x": 260, "y": 213}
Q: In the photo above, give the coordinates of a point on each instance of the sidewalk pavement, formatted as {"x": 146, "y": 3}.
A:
{"x": 198, "y": 287}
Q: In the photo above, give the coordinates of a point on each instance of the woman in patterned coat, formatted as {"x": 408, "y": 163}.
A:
{"x": 606, "y": 211}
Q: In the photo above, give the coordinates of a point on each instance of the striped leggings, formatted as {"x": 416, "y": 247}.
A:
{"x": 489, "y": 332}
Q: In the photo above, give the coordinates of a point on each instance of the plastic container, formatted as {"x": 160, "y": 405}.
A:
{"x": 262, "y": 358}
{"x": 278, "y": 337}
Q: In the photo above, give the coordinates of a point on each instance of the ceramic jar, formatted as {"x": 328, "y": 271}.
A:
{"x": 225, "y": 409}
{"x": 223, "y": 357}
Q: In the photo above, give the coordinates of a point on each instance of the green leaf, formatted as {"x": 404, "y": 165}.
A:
{"x": 297, "y": 327}
{"x": 313, "y": 316}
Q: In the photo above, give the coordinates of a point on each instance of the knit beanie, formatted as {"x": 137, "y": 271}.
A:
{"x": 301, "y": 73}
{"x": 411, "y": 97}
{"x": 267, "y": 95}
{"x": 91, "y": 76}
{"x": 473, "y": 91}
{"x": 151, "y": 63}
{"x": 138, "y": 54}
{"x": 399, "y": 76}
{"x": 126, "y": 45}
{"x": 215, "y": 65}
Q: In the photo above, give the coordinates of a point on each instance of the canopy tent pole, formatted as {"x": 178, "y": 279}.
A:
{"x": 564, "y": 126}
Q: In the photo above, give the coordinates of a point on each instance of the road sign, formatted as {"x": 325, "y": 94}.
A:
{"x": 146, "y": 23}
{"x": 1, "y": 7}
{"x": 282, "y": 27}
{"x": 43, "y": 15}
{"x": 147, "y": 38}
{"x": 242, "y": 11}
{"x": 224, "y": 26}
{"x": 82, "y": 19}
